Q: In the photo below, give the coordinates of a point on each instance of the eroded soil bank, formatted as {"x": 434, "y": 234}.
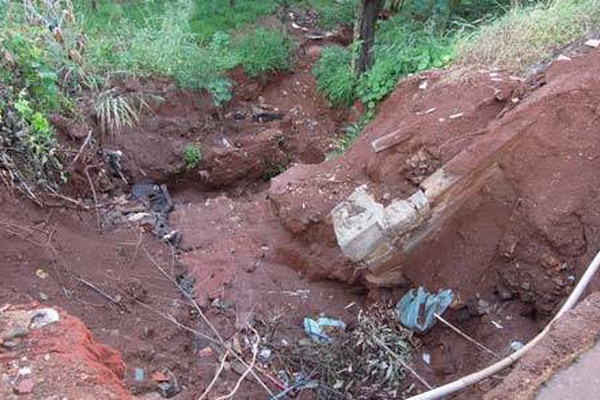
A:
{"x": 257, "y": 240}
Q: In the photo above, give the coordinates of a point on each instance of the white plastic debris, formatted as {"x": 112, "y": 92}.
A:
{"x": 42, "y": 317}
{"x": 265, "y": 354}
{"x": 497, "y": 325}
{"x": 593, "y": 43}
{"x": 562, "y": 57}
{"x": 516, "y": 345}
{"x": 426, "y": 358}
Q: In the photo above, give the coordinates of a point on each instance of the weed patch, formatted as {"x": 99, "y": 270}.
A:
{"x": 528, "y": 35}
{"x": 265, "y": 51}
{"x": 192, "y": 155}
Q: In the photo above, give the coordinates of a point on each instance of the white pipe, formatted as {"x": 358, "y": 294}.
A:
{"x": 475, "y": 377}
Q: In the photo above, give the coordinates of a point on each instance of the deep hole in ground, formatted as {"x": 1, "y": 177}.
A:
{"x": 254, "y": 239}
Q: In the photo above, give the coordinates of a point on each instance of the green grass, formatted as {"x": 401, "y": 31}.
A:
{"x": 208, "y": 17}
{"x": 265, "y": 51}
{"x": 528, "y": 35}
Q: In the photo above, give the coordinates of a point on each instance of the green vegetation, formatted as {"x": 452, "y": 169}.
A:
{"x": 265, "y": 51}
{"x": 192, "y": 155}
{"x": 527, "y": 35}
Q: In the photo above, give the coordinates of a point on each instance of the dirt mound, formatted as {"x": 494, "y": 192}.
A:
{"x": 522, "y": 159}
{"x": 58, "y": 360}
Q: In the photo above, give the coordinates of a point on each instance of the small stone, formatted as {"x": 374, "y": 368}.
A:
{"x": 11, "y": 344}
{"x": 593, "y": 43}
{"x": 43, "y": 296}
{"x": 25, "y": 386}
{"x": 562, "y": 57}
{"x": 205, "y": 352}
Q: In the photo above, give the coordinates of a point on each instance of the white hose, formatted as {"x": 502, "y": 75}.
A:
{"x": 475, "y": 377}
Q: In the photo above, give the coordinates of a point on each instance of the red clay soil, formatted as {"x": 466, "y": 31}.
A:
{"x": 240, "y": 143}
{"x": 49, "y": 253}
{"x": 518, "y": 243}
{"x": 63, "y": 359}
{"x": 510, "y": 253}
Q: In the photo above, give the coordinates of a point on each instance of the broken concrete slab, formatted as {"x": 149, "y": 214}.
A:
{"x": 358, "y": 224}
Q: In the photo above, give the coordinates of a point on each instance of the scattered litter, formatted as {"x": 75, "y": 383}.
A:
{"x": 169, "y": 388}
{"x": 265, "y": 354}
{"x": 497, "y": 324}
{"x": 426, "y": 358}
{"x": 516, "y": 345}
{"x": 139, "y": 374}
{"x": 417, "y": 310}
{"x": 43, "y": 296}
{"x": 316, "y": 330}
{"x": 40, "y": 273}
{"x": 43, "y": 317}
{"x": 593, "y": 43}
{"x": 457, "y": 115}
{"x": 563, "y": 58}
{"x": 158, "y": 204}
{"x": 350, "y": 305}
{"x": 423, "y": 85}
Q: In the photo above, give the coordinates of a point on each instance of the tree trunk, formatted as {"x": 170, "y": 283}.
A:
{"x": 364, "y": 34}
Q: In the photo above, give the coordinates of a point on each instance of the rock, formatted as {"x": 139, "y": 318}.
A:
{"x": 593, "y": 43}
{"x": 25, "y": 386}
{"x": 42, "y": 317}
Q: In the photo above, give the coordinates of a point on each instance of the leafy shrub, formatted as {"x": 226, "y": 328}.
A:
{"x": 40, "y": 138}
{"x": 334, "y": 76}
{"x": 192, "y": 155}
{"x": 265, "y": 51}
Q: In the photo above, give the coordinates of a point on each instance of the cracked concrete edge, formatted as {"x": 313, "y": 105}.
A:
{"x": 369, "y": 233}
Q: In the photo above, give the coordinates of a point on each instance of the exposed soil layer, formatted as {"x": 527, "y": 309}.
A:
{"x": 569, "y": 337}
{"x": 61, "y": 360}
{"x": 256, "y": 245}
{"x": 515, "y": 247}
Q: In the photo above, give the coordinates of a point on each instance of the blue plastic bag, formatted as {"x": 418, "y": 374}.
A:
{"x": 417, "y": 310}
{"x": 314, "y": 329}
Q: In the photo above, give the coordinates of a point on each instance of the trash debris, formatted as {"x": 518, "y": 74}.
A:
{"x": 497, "y": 324}
{"x": 426, "y": 358}
{"x": 43, "y": 317}
{"x": 516, "y": 345}
{"x": 562, "y": 57}
{"x": 139, "y": 374}
{"x": 593, "y": 43}
{"x": 454, "y": 116}
{"x": 417, "y": 310}
{"x": 40, "y": 273}
{"x": 158, "y": 204}
{"x": 265, "y": 354}
{"x": 316, "y": 330}
{"x": 169, "y": 388}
